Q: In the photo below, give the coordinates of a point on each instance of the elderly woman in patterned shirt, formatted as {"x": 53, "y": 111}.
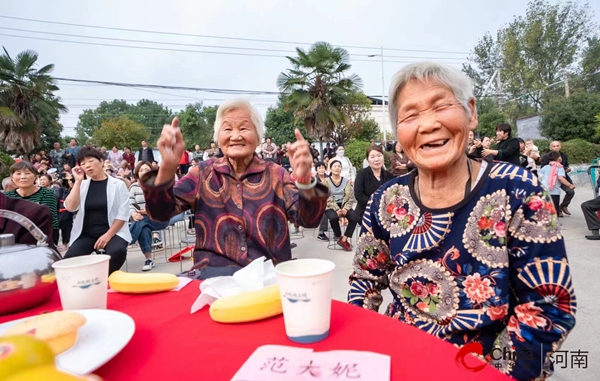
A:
{"x": 241, "y": 203}
{"x": 471, "y": 250}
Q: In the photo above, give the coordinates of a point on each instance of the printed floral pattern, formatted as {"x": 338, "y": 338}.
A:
{"x": 397, "y": 212}
{"x": 450, "y": 273}
{"x": 536, "y": 221}
{"x": 478, "y": 290}
{"x": 485, "y": 233}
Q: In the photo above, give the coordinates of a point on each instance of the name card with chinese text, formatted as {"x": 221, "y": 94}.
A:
{"x": 282, "y": 363}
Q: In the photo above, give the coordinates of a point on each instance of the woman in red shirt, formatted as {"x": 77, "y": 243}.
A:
{"x": 129, "y": 157}
{"x": 184, "y": 163}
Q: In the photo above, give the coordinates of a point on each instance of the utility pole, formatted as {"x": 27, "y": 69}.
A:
{"x": 383, "y": 115}
{"x": 499, "y": 85}
{"x": 566, "y": 79}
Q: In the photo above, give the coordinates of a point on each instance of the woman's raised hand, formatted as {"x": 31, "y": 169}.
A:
{"x": 78, "y": 174}
{"x": 301, "y": 159}
{"x": 171, "y": 145}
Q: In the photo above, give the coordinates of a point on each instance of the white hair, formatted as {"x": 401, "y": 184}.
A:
{"x": 455, "y": 80}
{"x": 236, "y": 104}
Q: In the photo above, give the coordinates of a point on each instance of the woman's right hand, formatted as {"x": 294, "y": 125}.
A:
{"x": 78, "y": 174}
{"x": 136, "y": 216}
{"x": 171, "y": 146}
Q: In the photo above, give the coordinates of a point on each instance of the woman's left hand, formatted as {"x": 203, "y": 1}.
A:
{"x": 102, "y": 241}
{"x": 301, "y": 159}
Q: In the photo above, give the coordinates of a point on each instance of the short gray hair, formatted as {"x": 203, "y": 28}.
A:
{"x": 236, "y": 104}
{"x": 457, "y": 81}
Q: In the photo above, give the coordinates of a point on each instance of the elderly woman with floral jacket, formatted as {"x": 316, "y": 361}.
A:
{"x": 471, "y": 250}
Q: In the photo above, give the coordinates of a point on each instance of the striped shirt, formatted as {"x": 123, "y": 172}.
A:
{"x": 136, "y": 197}
{"x": 43, "y": 196}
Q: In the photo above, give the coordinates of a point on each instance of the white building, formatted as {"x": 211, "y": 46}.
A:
{"x": 380, "y": 115}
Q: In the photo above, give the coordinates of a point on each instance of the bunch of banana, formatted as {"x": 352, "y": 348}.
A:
{"x": 247, "y": 306}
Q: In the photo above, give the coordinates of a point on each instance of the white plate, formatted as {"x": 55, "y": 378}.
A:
{"x": 105, "y": 333}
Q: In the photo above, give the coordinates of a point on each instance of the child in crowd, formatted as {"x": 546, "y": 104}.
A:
{"x": 552, "y": 176}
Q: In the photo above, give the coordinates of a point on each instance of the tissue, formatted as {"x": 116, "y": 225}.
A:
{"x": 260, "y": 273}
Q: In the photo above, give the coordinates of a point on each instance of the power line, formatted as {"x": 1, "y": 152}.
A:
{"x": 185, "y": 50}
{"x": 210, "y": 90}
{"x": 205, "y": 46}
{"x": 222, "y": 37}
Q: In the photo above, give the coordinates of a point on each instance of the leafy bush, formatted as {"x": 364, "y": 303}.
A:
{"x": 543, "y": 145}
{"x": 356, "y": 151}
{"x": 5, "y": 162}
{"x": 572, "y": 118}
{"x": 580, "y": 151}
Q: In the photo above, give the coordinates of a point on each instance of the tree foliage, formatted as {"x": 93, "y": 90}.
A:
{"x": 120, "y": 132}
{"x": 533, "y": 51}
{"x": 151, "y": 114}
{"x": 29, "y": 110}
{"x": 590, "y": 65}
{"x": 358, "y": 122}
{"x": 489, "y": 117}
{"x": 280, "y": 124}
{"x": 317, "y": 85}
{"x": 197, "y": 124}
{"x": 572, "y": 118}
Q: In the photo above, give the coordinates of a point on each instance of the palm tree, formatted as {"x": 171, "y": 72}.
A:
{"x": 317, "y": 86}
{"x": 27, "y": 101}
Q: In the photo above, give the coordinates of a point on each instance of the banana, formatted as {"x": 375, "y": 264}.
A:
{"x": 247, "y": 306}
{"x": 142, "y": 283}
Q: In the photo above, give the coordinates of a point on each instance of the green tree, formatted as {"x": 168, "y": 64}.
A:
{"x": 317, "y": 86}
{"x": 533, "y": 51}
{"x": 590, "y": 65}
{"x": 27, "y": 102}
{"x": 120, "y": 132}
{"x": 89, "y": 119}
{"x": 196, "y": 126}
{"x": 280, "y": 124}
{"x": 572, "y": 118}
{"x": 358, "y": 122}
{"x": 152, "y": 115}
{"x": 489, "y": 117}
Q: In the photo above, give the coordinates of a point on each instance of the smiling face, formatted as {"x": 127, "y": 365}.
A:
{"x": 375, "y": 159}
{"x": 145, "y": 168}
{"x": 238, "y": 138}
{"x": 501, "y": 135}
{"x": 92, "y": 167}
{"x": 44, "y": 182}
{"x": 555, "y": 146}
{"x": 23, "y": 178}
{"x": 321, "y": 170}
{"x": 433, "y": 127}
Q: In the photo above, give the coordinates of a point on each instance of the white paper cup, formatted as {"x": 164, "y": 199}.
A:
{"x": 82, "y": 281}
{"x": 305, "y": 286}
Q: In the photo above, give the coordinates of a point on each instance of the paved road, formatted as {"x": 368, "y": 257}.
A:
{"x": 584, "y": 257}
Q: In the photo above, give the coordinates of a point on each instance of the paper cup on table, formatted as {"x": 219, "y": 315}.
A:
{"x": 305, "y": 286}
{"x": 82, "y": 281}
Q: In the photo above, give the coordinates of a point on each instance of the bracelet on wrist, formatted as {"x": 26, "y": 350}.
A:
{"x": 312, "y": 184}
{"x": 306, "y": 180}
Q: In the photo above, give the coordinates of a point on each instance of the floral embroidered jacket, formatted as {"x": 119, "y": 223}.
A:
{"x": 491, "y": 271}
{"x": 236, "y": 220}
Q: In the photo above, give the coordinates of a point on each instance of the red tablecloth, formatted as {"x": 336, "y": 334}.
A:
{"x": 171, "y": 344}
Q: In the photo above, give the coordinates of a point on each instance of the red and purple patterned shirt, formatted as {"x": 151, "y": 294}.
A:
{"x": 236, "y": 219}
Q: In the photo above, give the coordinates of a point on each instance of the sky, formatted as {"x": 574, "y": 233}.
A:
{"x": 409, "y": 31}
